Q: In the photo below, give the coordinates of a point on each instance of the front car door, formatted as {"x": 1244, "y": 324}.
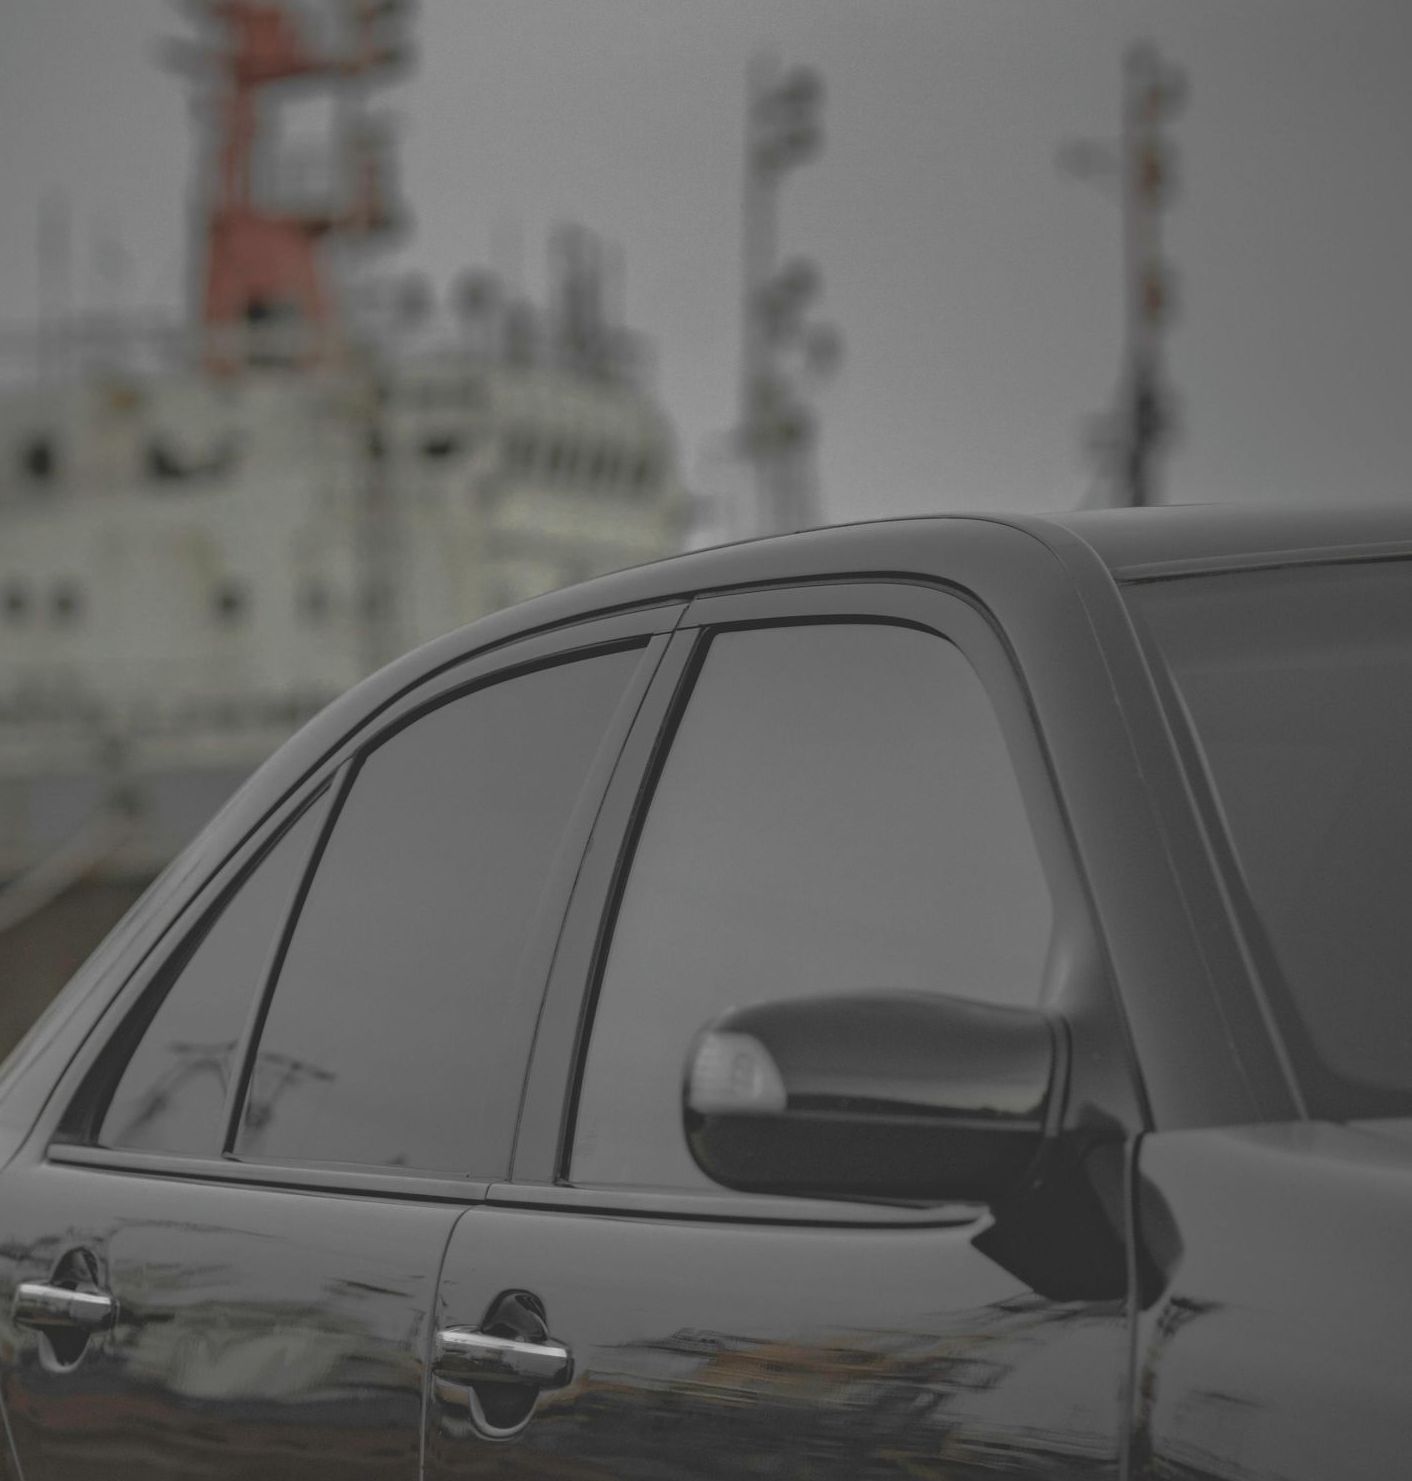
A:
{"x": 220, "y": 1243}
{"x": 833, "y": 788}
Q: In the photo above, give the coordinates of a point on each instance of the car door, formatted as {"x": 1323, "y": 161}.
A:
{"x": 220, "y": 1245}
{"x": 832, "y": 789}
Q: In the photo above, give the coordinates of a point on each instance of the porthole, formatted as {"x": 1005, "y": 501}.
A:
{"x": 314, "y": 601}
{"x": 438, "y": 448}
{"x": 38, "y": 458}
{"x": 66, "y": 602}
{"x": 643, "y": 474}
{"x": 230, "y": 601}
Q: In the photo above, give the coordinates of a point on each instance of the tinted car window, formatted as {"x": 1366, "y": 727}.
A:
{"x": 172, "y": 1094}
{"x": 394, "y": 1036}
{"x": 838, "y": 813}
{"x": 1297, "y": 685}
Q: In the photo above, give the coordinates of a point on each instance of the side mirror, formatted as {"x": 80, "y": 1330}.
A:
{"x": 876, "y": 1095}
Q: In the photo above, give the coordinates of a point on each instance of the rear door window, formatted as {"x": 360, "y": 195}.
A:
{"x": 172, "y": 1094}
{"x": 398, "y": 1029}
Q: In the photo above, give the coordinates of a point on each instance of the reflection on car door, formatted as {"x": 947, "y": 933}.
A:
{"x": 224, "y": 1265}
{"x": 841, "y": 807}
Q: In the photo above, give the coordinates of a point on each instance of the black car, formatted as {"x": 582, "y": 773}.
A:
{"x": 927, "y": 999}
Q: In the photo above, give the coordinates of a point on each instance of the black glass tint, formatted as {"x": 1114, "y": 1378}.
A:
{"x": 1297, "y": 685}
{"x": 172, "y": 1094}
{"x": 838, "y": 813}
{"x": 395, "y": 1035}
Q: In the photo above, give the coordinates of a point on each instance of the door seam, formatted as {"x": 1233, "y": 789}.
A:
{"x": 428, "y": 1341}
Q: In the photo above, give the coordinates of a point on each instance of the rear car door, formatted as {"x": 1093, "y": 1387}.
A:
{"x": 831, "y": 789}
{"x": 220, "y": 1244}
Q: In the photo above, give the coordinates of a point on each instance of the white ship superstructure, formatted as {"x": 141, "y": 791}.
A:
{"x": 189, "y": 567}
{"x": 207, "y": 532}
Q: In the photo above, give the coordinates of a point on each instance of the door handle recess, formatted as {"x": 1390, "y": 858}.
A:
{"x": 465, "y": 1355}
{"x": 40, "y": 1305}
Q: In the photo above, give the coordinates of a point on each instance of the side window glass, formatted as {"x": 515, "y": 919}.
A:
{"x": 394, "y": 1036}
{"x": 838, "y": 813}
{"x": 172, "y": 1094}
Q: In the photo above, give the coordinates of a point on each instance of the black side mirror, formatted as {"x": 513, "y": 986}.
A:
{"x": 877, "y": 1095}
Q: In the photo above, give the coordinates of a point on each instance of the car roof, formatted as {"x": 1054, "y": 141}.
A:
{"x": 1124, "y": 540}
{"x": 1224, "y": 534}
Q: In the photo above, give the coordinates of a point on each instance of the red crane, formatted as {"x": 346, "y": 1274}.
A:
{"x": 262, "y": 270}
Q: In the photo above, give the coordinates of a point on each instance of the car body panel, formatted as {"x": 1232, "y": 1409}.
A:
{"x": 728, "y": 1349}
{"x": 1277, "y": 1340}
{"x": 1216, "y": 536}
{"x": 259, "y": 1331}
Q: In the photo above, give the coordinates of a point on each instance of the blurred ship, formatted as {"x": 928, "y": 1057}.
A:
{"x": 210, "y": 529}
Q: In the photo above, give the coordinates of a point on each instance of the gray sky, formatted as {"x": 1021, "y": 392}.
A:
{"x": 978, "y": 290}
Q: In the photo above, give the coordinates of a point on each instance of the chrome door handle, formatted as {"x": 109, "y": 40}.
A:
{"x": 39, "y": 1304}
{"x": 464, "y": 1355}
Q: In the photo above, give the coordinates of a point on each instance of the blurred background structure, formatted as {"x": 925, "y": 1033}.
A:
{"x": 1128, "y": 443}
{"x": 214, "y": 526}
{"x": 783, "y": 346}
{"x": 243, "y": 463}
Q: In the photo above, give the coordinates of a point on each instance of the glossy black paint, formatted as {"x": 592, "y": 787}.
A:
{"x": 714, "y": 1348}
{"x": 1275, "y": 1345}
{"x": 1194, "y": 1284}
{"x": 258, "y": 1329}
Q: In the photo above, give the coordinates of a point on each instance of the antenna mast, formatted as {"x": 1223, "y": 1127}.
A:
{"x": 1128, "y": 442}
{"x": 777, "y": 431}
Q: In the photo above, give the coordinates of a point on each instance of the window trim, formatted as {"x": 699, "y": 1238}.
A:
{"x": 718, "y": 1205}
{"x": 243, "y": 1060}
{"x": 345, "y": 1177}
{"x": 85, "y": 1112}
{"x": 1085, "y": 992}
{"x": 646, "y": 629}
